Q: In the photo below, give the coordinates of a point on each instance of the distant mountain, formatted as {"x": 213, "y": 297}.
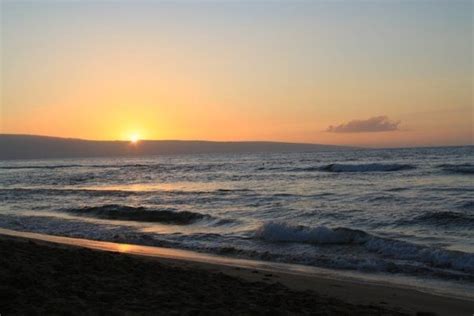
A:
{"x": 38, "y": 147}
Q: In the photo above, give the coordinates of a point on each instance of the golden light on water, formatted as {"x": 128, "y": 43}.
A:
{"x": 123, "y": 247}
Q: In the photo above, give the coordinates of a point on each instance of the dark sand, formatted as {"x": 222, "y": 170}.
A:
{"x": 42, "y": 274}
{"x": 43, "y": 278}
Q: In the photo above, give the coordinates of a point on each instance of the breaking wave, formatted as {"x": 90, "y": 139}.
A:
{"x": 282, "y": 232}
{"x": 141, "y": 214}
{"x": 388, "y": 248}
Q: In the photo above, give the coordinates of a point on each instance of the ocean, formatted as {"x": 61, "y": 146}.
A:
{"x": 406, "y": 214}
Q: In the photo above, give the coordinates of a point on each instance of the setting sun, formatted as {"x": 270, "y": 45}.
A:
{"x": 283, "y": 138}
{"x": 134, "y": 138}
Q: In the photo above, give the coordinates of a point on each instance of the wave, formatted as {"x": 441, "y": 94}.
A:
{"x": 386, "y": 247}
{"x": 466, "y": 205}
{"x": 431, "y": 256}
{"x": 305, "y": 169}
{"x": 362, "y": 251}
{"x": 79, "y": 229}
{"x": 370, "y": 167}
{"x": 445, "y": 219}
{"x": 465, "y": 168}
{"x": 141, "y": 214}
{"x": 283, "y": 232}
{"x": 367, "y": 167}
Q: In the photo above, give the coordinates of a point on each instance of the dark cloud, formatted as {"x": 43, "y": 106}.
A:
{"x": 373, "y": 124}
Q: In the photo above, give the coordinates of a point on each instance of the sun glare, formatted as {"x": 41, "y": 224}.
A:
{"x": 134, "y": 138}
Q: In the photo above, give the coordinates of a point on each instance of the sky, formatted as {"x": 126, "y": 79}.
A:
{"x": 366, "y": 73}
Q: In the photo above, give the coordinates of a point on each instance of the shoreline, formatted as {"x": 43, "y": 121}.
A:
{"x": 386, "y": 297}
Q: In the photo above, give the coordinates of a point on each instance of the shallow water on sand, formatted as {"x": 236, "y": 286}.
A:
{"x": 397, "y": 212}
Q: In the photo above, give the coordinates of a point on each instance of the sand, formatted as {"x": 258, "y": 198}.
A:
{"x": 43, "y": 277}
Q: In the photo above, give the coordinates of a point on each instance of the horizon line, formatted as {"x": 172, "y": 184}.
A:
{"x": 236, "y": 141}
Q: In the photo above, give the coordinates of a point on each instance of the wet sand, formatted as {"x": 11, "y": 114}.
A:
{"x": 42, "y": 277}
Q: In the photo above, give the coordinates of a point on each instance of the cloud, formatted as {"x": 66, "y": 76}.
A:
{"x": 371, "y": 125}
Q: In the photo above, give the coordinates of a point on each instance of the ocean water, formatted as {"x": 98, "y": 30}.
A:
{"x": 394, "y": 212}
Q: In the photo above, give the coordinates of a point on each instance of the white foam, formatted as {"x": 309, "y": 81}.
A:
{"x": 386, "y": 248}
{"x": 435, "y": 257}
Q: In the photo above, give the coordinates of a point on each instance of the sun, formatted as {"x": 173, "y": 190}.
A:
{"x": 134, "y": 138}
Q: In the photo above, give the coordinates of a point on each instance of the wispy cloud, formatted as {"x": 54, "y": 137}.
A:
{"x": 373, "y": 124}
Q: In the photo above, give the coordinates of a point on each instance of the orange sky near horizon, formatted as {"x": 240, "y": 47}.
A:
{"x": 239, "y": 71}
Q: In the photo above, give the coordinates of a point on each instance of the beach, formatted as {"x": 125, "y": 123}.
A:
{"x": 44, "y": 277}
{"x": 236, "y": 157}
